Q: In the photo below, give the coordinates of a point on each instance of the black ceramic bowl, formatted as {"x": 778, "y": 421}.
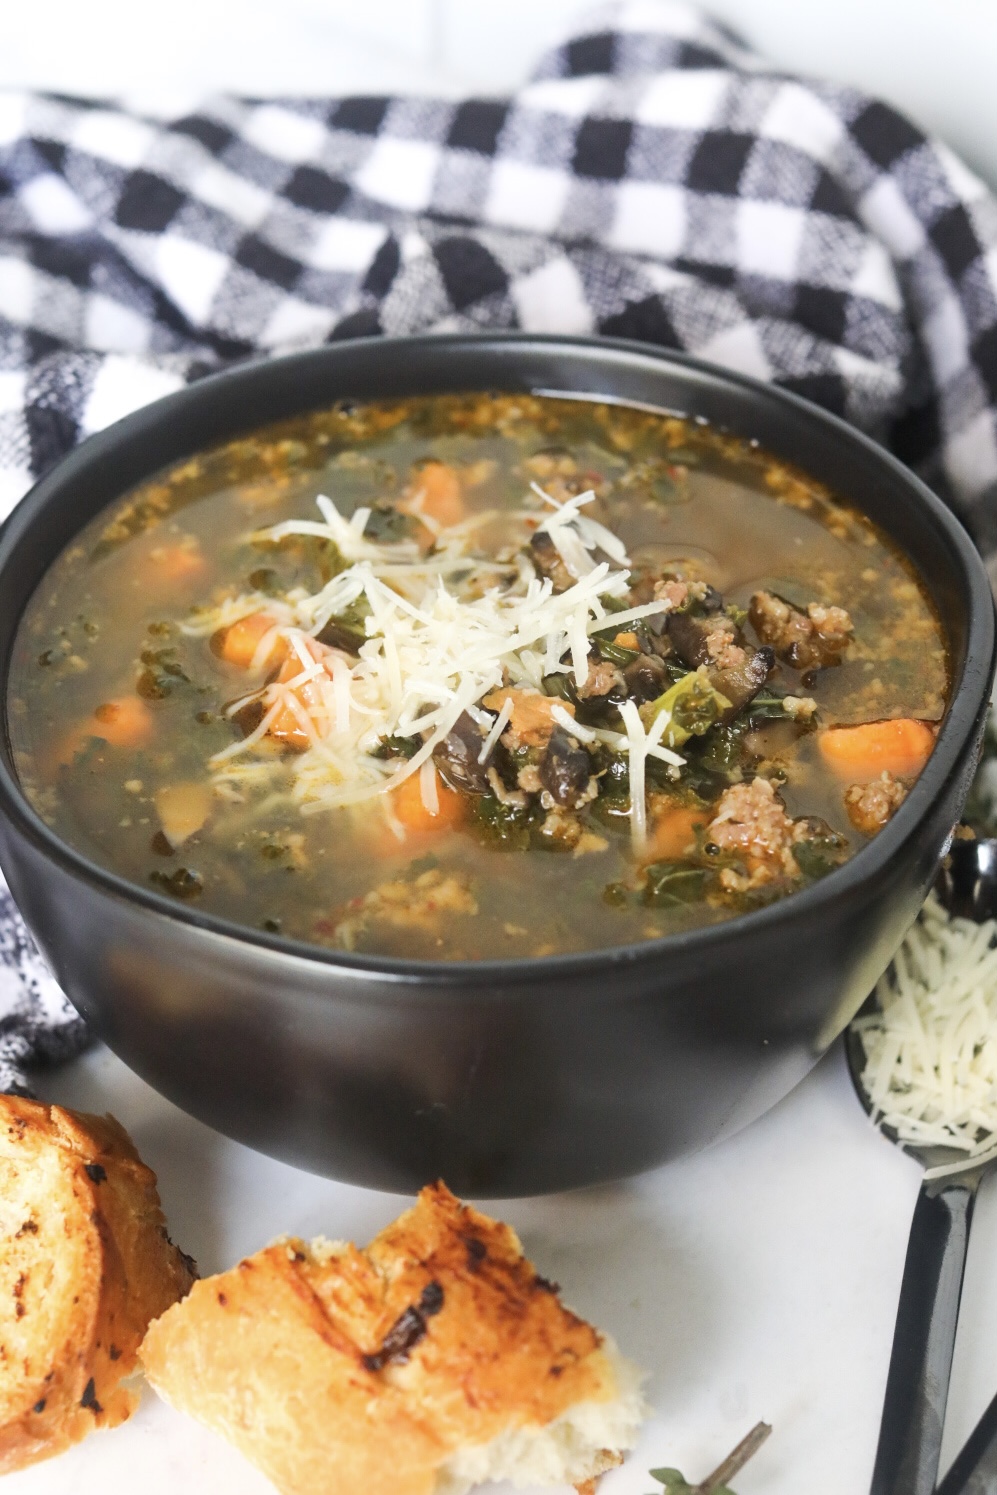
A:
{"x": 503, "y": 1077}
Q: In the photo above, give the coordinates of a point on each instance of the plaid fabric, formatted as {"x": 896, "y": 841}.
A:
{"x": 654, "y": 180}
{"x": 37, "y": 1022}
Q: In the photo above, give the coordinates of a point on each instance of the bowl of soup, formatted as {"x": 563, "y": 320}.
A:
{"x": 503, "y": 758}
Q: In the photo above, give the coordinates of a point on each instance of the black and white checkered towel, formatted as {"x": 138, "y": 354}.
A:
{"x": 654, "y": 180}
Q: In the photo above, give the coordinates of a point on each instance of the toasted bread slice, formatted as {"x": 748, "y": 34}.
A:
{"x": 435, "y": 1359}
{"x": 85, "y": 1263}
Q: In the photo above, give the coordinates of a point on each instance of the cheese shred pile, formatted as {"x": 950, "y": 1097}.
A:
{"x": 441, "y": 630}
{"x": 931, "y": 1047}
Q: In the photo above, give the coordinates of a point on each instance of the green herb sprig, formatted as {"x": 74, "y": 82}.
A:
{"x": 716, "y": 1483}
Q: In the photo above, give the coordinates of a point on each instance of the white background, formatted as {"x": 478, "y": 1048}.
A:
{"x": 935, "y": 58}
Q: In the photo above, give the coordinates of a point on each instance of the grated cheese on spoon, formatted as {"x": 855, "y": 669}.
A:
{"x": 931, "y": 1048}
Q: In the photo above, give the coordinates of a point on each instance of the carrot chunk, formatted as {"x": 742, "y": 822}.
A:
{"x": 436, "y": 492}
{"x": 900, "y": 747}
{"x": 124, "y": 722}
{"x": 176, "y": 562}
{"x": 407, "y": 804}
{"x": 286, "y": 728}
{"x": 673, "y": 834}
{"x": 532, "y": 722}
{"x": 238, "y": 643}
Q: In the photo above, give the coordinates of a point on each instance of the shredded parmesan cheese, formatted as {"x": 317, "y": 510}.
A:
{"x": 441, "y": 632}
{"x": 498, "y": 727}
{"x": 427, "y": 788}
{"x": 931, "y": 1048}
{"x": 566, "y": 720}
{"x": 639, "y": 745}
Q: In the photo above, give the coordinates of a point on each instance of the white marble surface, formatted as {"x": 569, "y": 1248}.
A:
{"x": 757, "y": 1280}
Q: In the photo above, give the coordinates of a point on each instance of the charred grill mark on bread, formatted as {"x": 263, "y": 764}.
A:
{"x": 407, "y": 1330}
{"x": 89, "y": 1398}
{"x": 431, "y": 1346}
{"x": 476, "y": 1252}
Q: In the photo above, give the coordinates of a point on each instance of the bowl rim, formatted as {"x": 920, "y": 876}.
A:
{"x": 868, "y": 863}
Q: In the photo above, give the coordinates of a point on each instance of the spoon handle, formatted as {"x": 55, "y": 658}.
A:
{"x": 975, "y": 1470}
{"x": 910, "y": 1436}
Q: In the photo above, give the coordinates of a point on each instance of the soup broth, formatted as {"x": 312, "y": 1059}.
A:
{"x": 475, "y": 677}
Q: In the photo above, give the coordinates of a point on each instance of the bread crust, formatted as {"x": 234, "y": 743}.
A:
{"x": 85, "y": 1263}
{"x": 346, "y": 1371}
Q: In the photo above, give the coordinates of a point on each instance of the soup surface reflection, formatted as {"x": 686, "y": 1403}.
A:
{"x": 475, "y": 677}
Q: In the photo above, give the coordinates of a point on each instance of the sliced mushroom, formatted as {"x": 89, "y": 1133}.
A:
{"x": 735, "y": 669}
{"x": 248, "y": 717}
{"x": 565, "y": 769}
{"x": 338, "y": 635}
{"x": 548, "y": 561}
{"x": 457, "y": 755}
{"x": 741, "y": 682}
{"x": 645, "y": 678}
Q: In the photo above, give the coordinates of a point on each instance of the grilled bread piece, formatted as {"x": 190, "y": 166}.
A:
{"x": 85, "y": 1263}
{"x": 435, "y": 1359}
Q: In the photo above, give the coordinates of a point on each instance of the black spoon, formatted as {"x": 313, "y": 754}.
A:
{"x": 910, "y": 1435}
{"x": 975, "y": 1470}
